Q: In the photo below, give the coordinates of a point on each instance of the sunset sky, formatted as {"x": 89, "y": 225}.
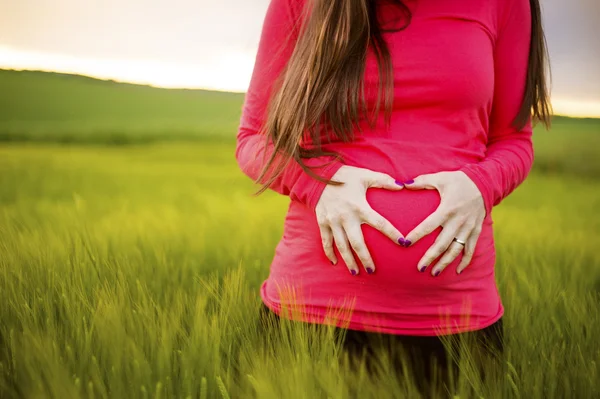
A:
{"x": 211, "y": 44}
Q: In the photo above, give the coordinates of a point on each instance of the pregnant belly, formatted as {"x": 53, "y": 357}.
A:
{"x": 405, "y": 209}
{"x": 397, "y": 283}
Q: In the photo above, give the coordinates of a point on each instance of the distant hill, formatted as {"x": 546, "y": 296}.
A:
{"x": 55, "y": 107}
{"x": 45, "y": 106}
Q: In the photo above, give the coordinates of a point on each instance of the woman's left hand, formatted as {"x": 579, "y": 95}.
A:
{"x": 460, "y": 214}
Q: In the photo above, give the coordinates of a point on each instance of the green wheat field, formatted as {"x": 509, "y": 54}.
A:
{"x": 132, "y": 249}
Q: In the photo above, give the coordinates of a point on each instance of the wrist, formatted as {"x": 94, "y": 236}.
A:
{"x": 480, "y": 187}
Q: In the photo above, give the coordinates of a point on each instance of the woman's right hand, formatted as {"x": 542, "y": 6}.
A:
{"x": 342, "y": 210}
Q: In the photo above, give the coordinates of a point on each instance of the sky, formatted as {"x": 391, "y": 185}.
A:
{"x": 212, "y": 44}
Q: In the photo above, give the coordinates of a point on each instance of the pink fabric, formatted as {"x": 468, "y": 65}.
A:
{"x": 460, "y": 71}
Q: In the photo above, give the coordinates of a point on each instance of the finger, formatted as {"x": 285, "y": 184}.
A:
{"x": 382, "y": 180}
{"x": 427, "y": 226}
{"x": 375, "y": 220}
{"x": 427, "y": 182}
{"x": 327, "y": 242}
{"x": 441, "y": 244}
{"x": 341, "y": 242}
{"x": 469, "y": 250}
{"x": 357, "y": 242}
{"x": 453, "y": 251}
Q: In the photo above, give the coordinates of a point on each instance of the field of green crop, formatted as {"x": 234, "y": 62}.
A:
{"x": 131, "y": 252}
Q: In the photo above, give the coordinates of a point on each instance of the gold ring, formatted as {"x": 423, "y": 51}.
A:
{"x": 461, "y": 242}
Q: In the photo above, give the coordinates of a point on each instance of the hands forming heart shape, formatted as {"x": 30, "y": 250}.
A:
{"x": 342, "y": 209}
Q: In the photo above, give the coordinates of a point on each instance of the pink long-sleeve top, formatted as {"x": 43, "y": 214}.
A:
{"x": 459, "y": 79}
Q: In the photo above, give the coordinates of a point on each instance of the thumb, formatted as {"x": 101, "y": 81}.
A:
{"x": 382, "y": 180}
{"x": 423, "y": 182}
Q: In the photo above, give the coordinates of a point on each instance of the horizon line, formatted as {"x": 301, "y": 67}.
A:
{"x": 198, "y": 88}
{"x": 124, "y": 82}
{"x": 181, "y": 76}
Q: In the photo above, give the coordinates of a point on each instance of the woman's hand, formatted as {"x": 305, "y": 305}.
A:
{"x": 460, "y": 213}
{"x": 342, "y": 209}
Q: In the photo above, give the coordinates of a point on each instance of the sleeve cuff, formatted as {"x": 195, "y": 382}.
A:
{"x": 311, "y": 189}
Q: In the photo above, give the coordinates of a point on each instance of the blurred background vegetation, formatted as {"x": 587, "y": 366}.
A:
{"x": 131, "y": 252}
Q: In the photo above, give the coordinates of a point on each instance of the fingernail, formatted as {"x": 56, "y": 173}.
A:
{"x": 407, "y": 243}
{"x": 437, "y": 273}
{"x": 353, "y": 272}
{"x": 370, "y": 270}
{"x": 401, "y": 241}
{"x": 411, "y": 181}
{"x": 332, "y": 262}
{"x": 398, "y": 182}
{"x": 423, "y": 268}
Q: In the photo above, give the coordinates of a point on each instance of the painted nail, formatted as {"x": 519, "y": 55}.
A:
{"x": 398, "y": 182}
{"x": 401, "y": 241}
{"x": 353, "y": 272}
{"x": 407, "y": 243}
{"x": 423, "y": 268}
{"x": 370, "y": 270}
{"x": 411, "y": 181}
{"x": 437, "y": 273}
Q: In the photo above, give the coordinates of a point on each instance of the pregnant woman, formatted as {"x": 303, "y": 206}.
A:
{"x": 394, "y": 127}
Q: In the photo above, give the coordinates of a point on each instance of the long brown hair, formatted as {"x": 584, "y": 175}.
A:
{"x": 321, "y": 86}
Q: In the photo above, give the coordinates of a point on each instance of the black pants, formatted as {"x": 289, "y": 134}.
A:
{"x": 433, "y": 366}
